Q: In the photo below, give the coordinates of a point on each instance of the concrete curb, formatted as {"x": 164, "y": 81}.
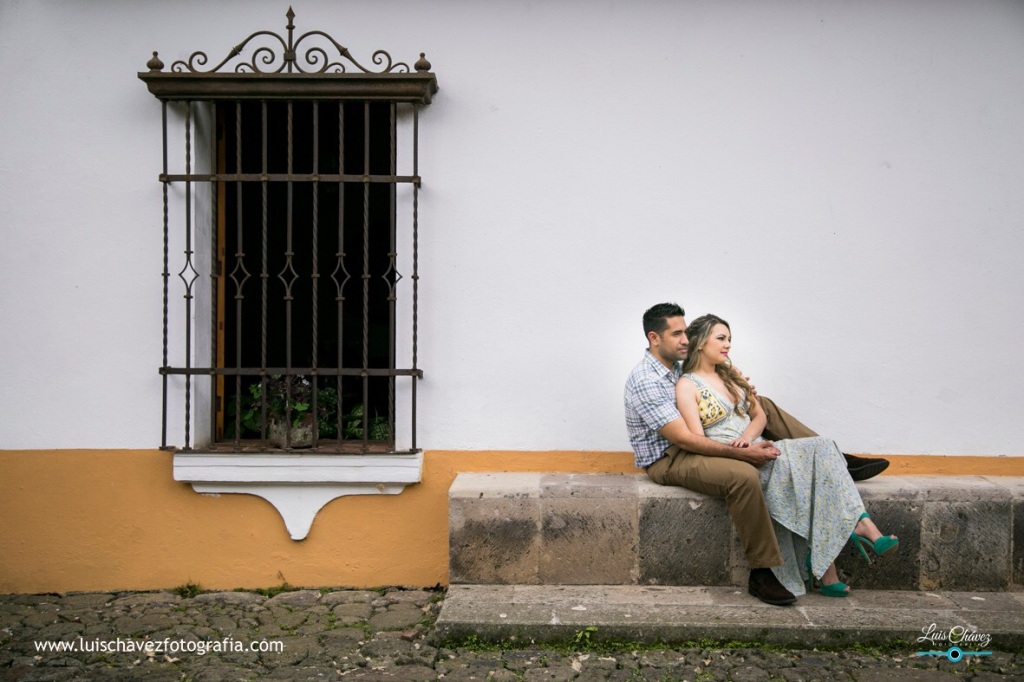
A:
{"x": 672, "y": 615}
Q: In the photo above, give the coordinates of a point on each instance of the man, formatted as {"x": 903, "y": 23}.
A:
{"x": 672, "y": 455}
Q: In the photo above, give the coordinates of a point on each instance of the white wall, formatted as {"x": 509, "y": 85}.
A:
{"x": 841, "y": 181}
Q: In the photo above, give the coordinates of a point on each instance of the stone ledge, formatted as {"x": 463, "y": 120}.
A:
{"x": 666, "y": 615}
{"x": 956, "y": 533}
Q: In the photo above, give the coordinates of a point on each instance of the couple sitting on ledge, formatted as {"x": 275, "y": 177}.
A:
{"x": 695, "y": 421}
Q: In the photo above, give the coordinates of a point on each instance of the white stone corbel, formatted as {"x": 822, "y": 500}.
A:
{"x": 298, "y": 486}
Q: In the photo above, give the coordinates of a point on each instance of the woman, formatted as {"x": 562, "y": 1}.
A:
{"x": 811, "y": 497}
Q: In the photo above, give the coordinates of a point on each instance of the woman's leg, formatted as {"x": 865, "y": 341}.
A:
{"x": 831, "y": 576}
{"x": 867, "y": 529}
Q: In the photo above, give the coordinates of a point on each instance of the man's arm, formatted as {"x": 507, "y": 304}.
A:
{"x": 688, "y": 434}
{"x": 678, "y": 434}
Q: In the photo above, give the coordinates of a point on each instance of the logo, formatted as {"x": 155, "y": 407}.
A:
{"x": 955, "y": 636}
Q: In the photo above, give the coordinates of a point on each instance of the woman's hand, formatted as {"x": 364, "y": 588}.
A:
{"x": 740, "y": 443}
{"x": 758, "y": 454}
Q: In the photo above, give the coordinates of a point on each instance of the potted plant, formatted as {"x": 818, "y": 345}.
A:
{"x": 290, "y": 414}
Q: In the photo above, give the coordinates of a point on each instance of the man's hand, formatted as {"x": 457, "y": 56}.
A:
{"x": 757, "y": 454}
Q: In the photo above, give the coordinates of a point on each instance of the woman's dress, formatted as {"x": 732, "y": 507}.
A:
{"x": 813, "y": 502}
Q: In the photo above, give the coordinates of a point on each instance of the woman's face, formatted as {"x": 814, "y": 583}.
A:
{"x": 716, "y": 349}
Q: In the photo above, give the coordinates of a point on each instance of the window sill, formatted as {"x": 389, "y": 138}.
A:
{"x": 298, "y": 485}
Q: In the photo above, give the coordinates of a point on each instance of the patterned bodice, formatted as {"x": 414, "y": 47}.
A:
{"x": 718, "y": 416}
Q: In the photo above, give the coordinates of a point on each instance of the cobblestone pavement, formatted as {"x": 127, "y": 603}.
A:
{"x": 377, "y": 635}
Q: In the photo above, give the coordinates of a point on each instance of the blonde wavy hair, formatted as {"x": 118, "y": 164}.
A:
{"x": 697, "y": 334}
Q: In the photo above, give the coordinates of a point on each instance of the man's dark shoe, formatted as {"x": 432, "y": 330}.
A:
{"x": 863, "y": 468}
{"x": 765, "y": 586}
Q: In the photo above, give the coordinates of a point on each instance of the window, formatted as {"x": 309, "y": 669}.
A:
{"x": 290, "y": 196}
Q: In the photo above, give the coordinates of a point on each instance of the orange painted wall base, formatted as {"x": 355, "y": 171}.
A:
{"x": 96, "y": 520}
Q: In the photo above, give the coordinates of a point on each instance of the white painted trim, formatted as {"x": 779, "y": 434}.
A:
{"x": 298, "y": 485}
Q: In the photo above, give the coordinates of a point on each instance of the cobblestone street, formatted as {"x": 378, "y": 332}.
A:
{"x": 378, "y": 635}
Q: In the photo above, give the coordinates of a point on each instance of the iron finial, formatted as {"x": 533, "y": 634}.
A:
{"x": 422, "y": 64}
{"x": 155, "y": 64}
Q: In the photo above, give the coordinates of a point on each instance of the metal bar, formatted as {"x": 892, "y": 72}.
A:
{"x": 264, "y": 275}
{"x": 188, "y": 262}
{"x": 316, "y": 268}
{"x": 340, "y": 297}
{"x": 239, "y": 262}
{"x": 215, "y": 272}
{"x": 289, "y": 252}
{"x": 393, "y": 257}
{"x": 415, "y": 256}
{"x": 166, "y": 274}
{"x": 366, "y": 272}
{"x": 295, "y": 371}
{"x": 293, "y": 177}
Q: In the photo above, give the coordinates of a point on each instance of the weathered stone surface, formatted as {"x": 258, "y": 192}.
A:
{"x": 301, "y": 598}
{"x": 348, "y": 653}
{"x": 588, "y": 541}
{"x": 685, "y": 538}
{"x": 494, "y": 540}
{"x": 588, "y": 486}
{"x": 397, "y": 617}
{"x": 348, "y": 597}
{"x": 85, "y": 599}
{"x": 1018, "y": 544}
{"x": 684, "y": 541}
{"x": 1014, "y": 485}
{"x": 146, "y": 599}
{"x": 966, "y": 545}
{"x": 235, "y": 598}
{"x": 901, "y": 568}
{"x": 406, "y": 597}
{"x": 472, "y": 485}
{"x": 357, "y": 611}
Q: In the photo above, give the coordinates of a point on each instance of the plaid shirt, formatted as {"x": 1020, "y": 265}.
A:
{"x": 650, "y": 399}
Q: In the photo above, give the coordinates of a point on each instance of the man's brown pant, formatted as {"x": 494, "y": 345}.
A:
{"x": 737, "y": 482}
{"x": 781, "y": 424}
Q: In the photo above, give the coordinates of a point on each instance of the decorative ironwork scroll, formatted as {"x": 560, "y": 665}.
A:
{"x": 315, "y": 59}
{"x": 269, "y": 55}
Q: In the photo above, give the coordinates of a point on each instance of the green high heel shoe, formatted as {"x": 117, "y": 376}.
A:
{"x": 837, "y": 589}
{"x": 881, "y": 546}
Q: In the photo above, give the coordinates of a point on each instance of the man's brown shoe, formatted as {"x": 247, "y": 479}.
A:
{"x": 765, "y": 586}
{"x": 863, "y": 468}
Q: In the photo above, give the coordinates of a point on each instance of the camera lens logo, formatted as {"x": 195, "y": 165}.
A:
{"x": 955, "y": 654}
{"x": 955, "y": 636}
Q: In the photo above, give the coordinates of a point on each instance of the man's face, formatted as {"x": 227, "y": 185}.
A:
{"x": 670, "y": 346}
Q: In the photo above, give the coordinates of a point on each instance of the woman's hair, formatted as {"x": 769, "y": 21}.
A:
{"x": 697, "y": 334}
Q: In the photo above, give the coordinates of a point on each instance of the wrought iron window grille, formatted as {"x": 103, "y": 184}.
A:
{"x": 287, "y": 184}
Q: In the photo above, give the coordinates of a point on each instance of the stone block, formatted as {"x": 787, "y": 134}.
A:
{"x": 623, "y": 486}
{"x": 494, "y": 540}
{"x": 1018, "y": 544}
{"x": 495, "y": 485}
{"x": 589, "y": 540}
{"x": 957, "y": 488}
{"x": 1015, "y": 486}
{"x": 684, "y": 540}
{"x": 901, "y": 568}
{"x": 964, "y": 532}
{"x": 966, "y": 545}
